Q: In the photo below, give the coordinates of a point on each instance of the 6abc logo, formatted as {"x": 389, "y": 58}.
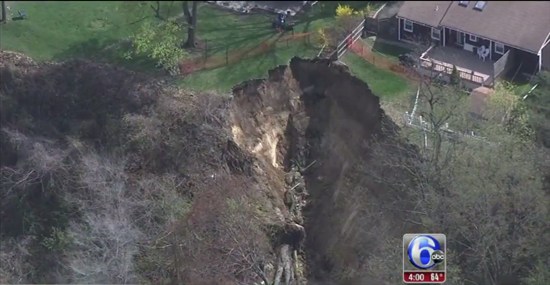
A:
{"x": 424, "y": 258}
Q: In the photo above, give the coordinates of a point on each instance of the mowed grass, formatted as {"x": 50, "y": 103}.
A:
{"x": 383, "y": 83}
{"x": 58, "y": 30}
{"x": 224, "y": 78}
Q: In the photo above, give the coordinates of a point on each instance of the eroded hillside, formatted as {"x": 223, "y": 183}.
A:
{"x": 111, "y": 177}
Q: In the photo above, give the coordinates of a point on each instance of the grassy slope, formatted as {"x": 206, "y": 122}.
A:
{"x": 223, "y": 78}
{"x": 383, "y": 83}
{"x": 59, "y": 30}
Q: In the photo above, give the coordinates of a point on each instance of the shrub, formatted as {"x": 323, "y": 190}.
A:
{"x": 344, "y": 11}
{"x": 455, "y": 77}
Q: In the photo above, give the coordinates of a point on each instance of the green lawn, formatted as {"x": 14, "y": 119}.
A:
{"x": 224, "y": 78}
{"x": 383, "y": 83}
{"x": 57, "y": 30}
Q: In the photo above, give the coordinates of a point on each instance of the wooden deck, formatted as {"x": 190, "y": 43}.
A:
{"x": 470, "y": 67}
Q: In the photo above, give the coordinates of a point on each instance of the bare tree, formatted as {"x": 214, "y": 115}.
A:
{"x": 156, "y": 9}
{"x": 191, "y": 18}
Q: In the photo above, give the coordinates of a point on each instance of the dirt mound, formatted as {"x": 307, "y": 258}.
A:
{"x": 319, "y": 123}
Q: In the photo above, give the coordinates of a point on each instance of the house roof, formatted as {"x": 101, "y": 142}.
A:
{"x": 425, "y": 12}
{"x": 520, "y": 24}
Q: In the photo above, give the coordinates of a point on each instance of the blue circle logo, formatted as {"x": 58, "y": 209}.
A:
{"x": 420, "y": 251}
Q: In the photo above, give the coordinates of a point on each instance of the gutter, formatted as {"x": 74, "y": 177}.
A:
{"x": 378, "y": 11}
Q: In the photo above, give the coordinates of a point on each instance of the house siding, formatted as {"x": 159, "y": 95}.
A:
{"x": 546, "y": 58}
{"x": 480, "y": 42}
{"x": 495, "y": 56}
{"x": 420, "y": 33}
{"x": 529, "y": 62}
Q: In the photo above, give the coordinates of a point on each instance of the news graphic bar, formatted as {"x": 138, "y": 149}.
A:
{"x": 424, "y": 277}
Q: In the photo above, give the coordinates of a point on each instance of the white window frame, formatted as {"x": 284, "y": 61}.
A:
{"x": 438, "y": 38}
{"x": 499, "y": 45}
{"x": 473, "y": 38}
{"x": 480, "y": 5}
{"x": 405, "y": 26}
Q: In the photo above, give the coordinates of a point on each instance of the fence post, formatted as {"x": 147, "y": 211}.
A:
{"x": 226, "y": 55}
{"x": 205, "y": 51}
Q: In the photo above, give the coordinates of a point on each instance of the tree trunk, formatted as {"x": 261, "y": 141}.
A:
{"x": 157, "y": 10}
{"x": 4, "y": 17}
{"x": 191, "y": 17}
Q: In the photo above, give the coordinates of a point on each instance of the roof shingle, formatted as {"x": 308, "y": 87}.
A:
{"x": 520, "y": 24}
{"x": 425, "y": 12}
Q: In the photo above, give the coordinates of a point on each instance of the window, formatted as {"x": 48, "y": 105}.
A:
{"x": 463, "y": 3}
{"x": 480, "y": 5}
{"x": 408, "y": 26}
{"x": 499, "y": 48}
{"x": 460, "y": 38}
{"x": 473, "y": 38}
{"x": 436, "y": 34}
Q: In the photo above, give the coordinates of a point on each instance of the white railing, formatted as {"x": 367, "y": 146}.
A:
{"x": 418, "y": 122}
{"x": 346, "y": 43}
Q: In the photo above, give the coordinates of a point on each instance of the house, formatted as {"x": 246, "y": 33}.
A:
{"x": 483, "y": 39}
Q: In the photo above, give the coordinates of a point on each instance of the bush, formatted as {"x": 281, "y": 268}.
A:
{"x": 455, "y": 77}
{"x": 344, "y": 11}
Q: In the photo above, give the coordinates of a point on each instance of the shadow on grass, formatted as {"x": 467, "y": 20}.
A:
{"x": 107, "y": 51}
{"x": 389, "y": 49}
{"x": 233, "y": 43}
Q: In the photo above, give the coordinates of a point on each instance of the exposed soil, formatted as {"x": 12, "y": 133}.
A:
{"x": 313, "y": 114}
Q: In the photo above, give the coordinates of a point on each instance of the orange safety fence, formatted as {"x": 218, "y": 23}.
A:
{"x": 365, "y": 51}
{"x": 232, "y": 56}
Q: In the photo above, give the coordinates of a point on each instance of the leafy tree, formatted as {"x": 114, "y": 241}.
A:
{"x": 191, "y": 18}
{"x": 538, "y": 104}
{"x": 160, "y": 42}
{"x": 485, "y": 192}
{"x": 505, "y": 108}
{"x": 540, "y": 275}
{"x": 488, "y": 197}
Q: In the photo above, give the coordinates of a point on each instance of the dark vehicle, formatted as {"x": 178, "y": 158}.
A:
{"x": 281, "y": 23}
{"x": 407, "y": 60}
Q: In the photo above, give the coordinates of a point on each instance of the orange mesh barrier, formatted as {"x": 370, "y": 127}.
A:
{"x": 365, "y": 51}
{"x": 230, "y": 57}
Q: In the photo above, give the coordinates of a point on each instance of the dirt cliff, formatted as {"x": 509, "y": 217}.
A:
{"x": 319, "y": 121}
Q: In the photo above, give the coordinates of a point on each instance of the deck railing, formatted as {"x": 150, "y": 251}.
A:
{"x": 437, "y": 67}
